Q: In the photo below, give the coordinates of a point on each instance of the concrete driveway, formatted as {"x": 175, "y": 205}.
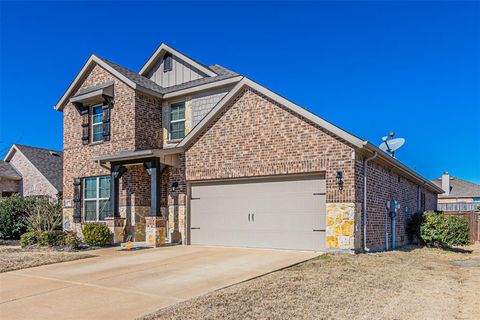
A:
{"x": 125, "y": 285}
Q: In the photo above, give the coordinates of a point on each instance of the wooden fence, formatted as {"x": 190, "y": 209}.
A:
{"x": 473, "y": 219}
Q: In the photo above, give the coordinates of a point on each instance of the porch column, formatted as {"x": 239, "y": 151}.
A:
{"x": 155, "y": 224}
{"x": 116, "y": 172}
{"x": 115, "y": 222}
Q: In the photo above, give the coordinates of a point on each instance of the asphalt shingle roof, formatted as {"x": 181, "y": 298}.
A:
{"x": 135, "y": 77}
{"x": 459, "y": 188}
{"x": 48, "y": 162}
{"x": 223, "y": 73}
{"x": 7, "y": 171}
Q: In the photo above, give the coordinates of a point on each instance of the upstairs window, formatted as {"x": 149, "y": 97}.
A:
{"x": 97, "y": 123}
{"x": 167, "y": 62}
{"x": 177, "y": 120}
{"x": 96, "y": 195}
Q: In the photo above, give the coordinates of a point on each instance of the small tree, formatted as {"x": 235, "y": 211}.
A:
{"x": 44, "y": 214}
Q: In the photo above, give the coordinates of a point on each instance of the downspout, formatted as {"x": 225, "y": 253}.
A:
{"x": 365, "y": 176}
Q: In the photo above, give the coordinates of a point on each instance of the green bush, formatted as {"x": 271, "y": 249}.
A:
{"x": 50, "y": 238}
{"x": 13, "y": 211}
{"x": 28, "y": 238}
{"x": 96, "y": 234}
{"x": 441, "y": 230}
{"x": 70, "y": 239}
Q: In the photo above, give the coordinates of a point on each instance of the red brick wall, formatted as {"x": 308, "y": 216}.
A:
{"x": 135, "y": 125}
{"x": 135, "y": 187}
{"x": 33, "y": 182}
{"x": 77, "y": 158}
{"x": 385, "y": 185}
{"x": 255, "y": 136}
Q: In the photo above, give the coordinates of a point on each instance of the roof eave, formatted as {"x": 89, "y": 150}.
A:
{"x": 90, "y": 63}
{"x": 164, "y": 47}
{"x": 403, "y": 168}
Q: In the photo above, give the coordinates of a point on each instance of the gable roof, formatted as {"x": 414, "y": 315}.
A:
{"x": 48, "y": 162}
{"x": 345, "y": 135}
{"x": 7, "y": 171}
{"x": 162, "y": 49}
{"x": 460, "y": 188}
{"x": 131, "y": 78}
{"x": 139, "y": 82}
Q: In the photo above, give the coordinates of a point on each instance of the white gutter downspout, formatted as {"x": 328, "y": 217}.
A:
{"x": 365, "y": 175}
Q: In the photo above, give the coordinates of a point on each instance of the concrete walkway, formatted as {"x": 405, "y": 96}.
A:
{"x": 125, "y": 285}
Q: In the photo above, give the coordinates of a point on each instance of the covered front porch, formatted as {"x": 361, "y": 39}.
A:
{"x": 147, "y": 196}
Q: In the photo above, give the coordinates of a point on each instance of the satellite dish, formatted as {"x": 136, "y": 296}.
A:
{"x": 390, "y": 145}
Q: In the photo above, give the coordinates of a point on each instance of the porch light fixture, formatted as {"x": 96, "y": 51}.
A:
{"x": 174, "y": 186}
{"x": 339, "y": 179}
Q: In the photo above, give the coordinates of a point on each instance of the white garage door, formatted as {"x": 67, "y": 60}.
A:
{"x": 283, "y": 214}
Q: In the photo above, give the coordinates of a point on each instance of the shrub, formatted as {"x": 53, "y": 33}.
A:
{"x": 441, "y": 230}
{"x": 96, "y": 234}
{"x": 50, "y": 238}
{"x": 456, "y": 231}
{"x": 70, "y": 239}
{"x": 13, "y": 211}
{"x": 28, "y": 238}
{"x": 44, "y": 214}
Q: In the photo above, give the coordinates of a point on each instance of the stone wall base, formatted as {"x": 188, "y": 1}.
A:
{"x": 117, "y": 227}
{"x": 155, "y": 231}
{"x": 341, "y": 228}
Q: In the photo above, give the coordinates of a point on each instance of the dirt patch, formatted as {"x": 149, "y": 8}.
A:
{"x": 415, "y": 283}
{"x": 14, "y": 257}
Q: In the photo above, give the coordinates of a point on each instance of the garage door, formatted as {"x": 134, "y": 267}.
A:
{"x": 283, "y": 214}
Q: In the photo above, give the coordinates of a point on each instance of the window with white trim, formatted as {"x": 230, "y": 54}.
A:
{"x": 96, "y": 198}
{"x": 177, "y": 120}
{"x": 97, "y": 123}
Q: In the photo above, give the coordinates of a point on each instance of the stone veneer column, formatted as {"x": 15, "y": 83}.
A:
{"x": 340, "y": 230}
{"x": 117, "y": 227}
{"x": 155, "y": 231}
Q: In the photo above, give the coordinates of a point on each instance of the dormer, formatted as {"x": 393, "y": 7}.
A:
{"x": 168, "y": 67}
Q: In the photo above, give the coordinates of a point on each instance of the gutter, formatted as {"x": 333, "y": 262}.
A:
{"x": 403, "y": 168}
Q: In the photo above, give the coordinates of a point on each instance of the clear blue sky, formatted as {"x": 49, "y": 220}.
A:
{"x": 368, "y": 67}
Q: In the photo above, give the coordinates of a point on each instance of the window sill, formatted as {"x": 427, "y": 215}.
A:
{"x": 174, "y": 141}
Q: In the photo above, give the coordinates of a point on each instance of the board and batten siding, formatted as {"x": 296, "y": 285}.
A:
{"x": 181, "y": 72}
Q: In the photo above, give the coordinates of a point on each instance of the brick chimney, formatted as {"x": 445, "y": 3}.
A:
{"x": 446, "y": 183}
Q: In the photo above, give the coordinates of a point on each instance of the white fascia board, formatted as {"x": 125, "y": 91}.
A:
{"x": 202, "y": 87}
{"x": 165, "y": 48}
{"x": 90, "y": 62}
{"x": 10, "y": 153}
{"x": 245, "y": 82}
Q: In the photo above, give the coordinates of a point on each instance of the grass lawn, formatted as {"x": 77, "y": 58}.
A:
{"x": 13, "y": 257}
{"x": 415, "y": 283}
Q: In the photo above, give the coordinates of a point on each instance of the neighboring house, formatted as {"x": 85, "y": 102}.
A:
{"x": 202, "y": 155}
{"x": 459, "y": 195}
{"x": 10, "y": 180}
{"x": 31, "y": 171}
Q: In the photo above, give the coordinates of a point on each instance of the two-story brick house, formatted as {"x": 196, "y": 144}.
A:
{"x": 202, "y": 155}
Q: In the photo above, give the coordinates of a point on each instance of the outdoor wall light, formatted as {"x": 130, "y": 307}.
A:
{"x": 339, "y": 179}
{"x": 174, "y": 186}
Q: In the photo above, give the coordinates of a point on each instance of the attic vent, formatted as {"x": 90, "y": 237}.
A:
{"x": 167, "y": 62}
{"x": 55, "y": 154}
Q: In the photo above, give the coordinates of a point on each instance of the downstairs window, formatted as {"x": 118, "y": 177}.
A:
{"x": 96, "y": 198}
